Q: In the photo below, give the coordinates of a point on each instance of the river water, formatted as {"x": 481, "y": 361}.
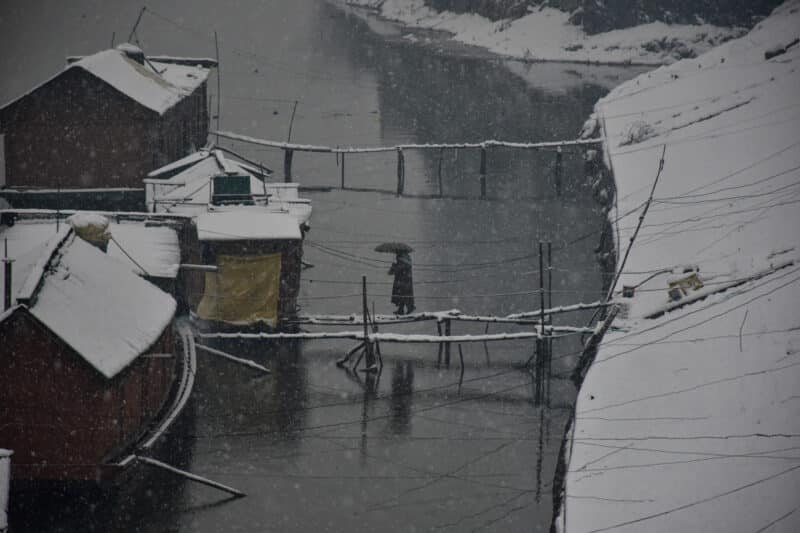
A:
{"x": 421, "y": 446}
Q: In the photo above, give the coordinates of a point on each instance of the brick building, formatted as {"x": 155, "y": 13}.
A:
{"x": 105, "y": 121}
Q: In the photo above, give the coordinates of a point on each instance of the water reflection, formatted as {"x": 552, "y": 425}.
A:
{"x": 401, "y": 398}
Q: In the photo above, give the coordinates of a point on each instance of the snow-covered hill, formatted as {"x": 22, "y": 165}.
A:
{"x": 546, "y": 34}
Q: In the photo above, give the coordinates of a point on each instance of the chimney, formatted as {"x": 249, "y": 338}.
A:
{"x": 132, "y": 52}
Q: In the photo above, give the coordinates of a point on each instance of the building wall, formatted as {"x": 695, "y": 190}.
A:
{"x": 60, "y": 415}
{"x": 76, "y": 131}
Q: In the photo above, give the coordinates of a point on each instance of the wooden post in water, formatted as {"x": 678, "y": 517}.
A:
{"x": 342, "y": 170}
{"x": 483, "y": 172}
{"x": 439, "y": 172}
{"x": 447, "y": 344}
{"x": 367, "y": 344}
{"x": 541, "y": 350}
{"x": 287, "y": 165}
{"x": 557, "y": 171}
{"x": 441, "y": 346}
{"x": 549, "y": 364}
{"x": 541, "y": 287}
{"x": 401, "y": 172}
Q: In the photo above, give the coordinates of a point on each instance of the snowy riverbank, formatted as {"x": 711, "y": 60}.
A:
{"x": 546, "y": 35}
{"x": 690, "y": 416}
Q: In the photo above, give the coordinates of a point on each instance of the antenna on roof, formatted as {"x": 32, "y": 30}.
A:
{"x": 219, "y": 83}
{"x": 136, "y": 25}
{"x": 291, "y": 123}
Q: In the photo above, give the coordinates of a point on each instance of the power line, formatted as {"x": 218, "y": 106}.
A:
{"x": 698, "y": 502}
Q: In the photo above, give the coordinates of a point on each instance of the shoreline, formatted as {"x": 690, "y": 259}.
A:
{"x": 545, "y": 35}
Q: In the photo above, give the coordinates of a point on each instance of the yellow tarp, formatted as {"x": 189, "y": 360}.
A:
{"x": 244, "y": 290}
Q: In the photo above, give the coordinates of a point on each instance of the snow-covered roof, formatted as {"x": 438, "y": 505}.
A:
{"x": 96, "y": 305}
{"x": 28, "y": 243}
{"x": 182, "y": 163}
{"x": 691, "y": 418}
{"x": 190, "y": 183}
{"x": 156, "y": 86}
{"x": 247, "y": 224}
{"x": 155, "y": 248}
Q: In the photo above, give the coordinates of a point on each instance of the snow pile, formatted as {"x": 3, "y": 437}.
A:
{"x": 546, "y": 34}
{"x": 99, "y": 307}
{"x": 692, "y": 418}
{"x": 90, "y": 227}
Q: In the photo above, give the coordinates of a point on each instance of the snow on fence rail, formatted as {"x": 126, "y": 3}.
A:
{"x": 528, "y": 317}
{"x": 372, "y": 337}
{"x": 290, "y": 148}
{"x": 491, "y": 143}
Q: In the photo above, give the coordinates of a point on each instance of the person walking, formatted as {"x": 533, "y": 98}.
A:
{"x": 403, "y": 286}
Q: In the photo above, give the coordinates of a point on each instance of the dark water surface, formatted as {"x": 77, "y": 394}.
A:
{"x": 313, "y": 446}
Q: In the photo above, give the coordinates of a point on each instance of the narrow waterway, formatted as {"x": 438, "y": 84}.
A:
{"x": 313, "y": 446}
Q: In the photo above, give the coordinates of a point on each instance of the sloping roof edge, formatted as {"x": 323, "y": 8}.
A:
{"x": 75, "y": 63}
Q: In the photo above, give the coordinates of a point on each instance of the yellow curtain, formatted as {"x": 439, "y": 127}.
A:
{"x": 244, "y": 290}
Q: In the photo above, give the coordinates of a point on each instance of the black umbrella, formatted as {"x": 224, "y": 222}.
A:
{"x": 393, "y": 248}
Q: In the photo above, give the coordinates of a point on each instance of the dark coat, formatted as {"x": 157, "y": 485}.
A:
{"x": 403, "y": 286}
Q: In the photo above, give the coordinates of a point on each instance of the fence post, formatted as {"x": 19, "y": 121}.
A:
{"x": 287, "y": 165}
{"x": 447, "y": 344}
{"x": 401, "y": 172}
{"x": 557, "y": 171}
{"x": 483, "y": 171}
{"x": 367, "y": 342}
{"x": 343, "y": 170}
{"x": 439, "y": 172}
{"x": 549, "y": 364}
